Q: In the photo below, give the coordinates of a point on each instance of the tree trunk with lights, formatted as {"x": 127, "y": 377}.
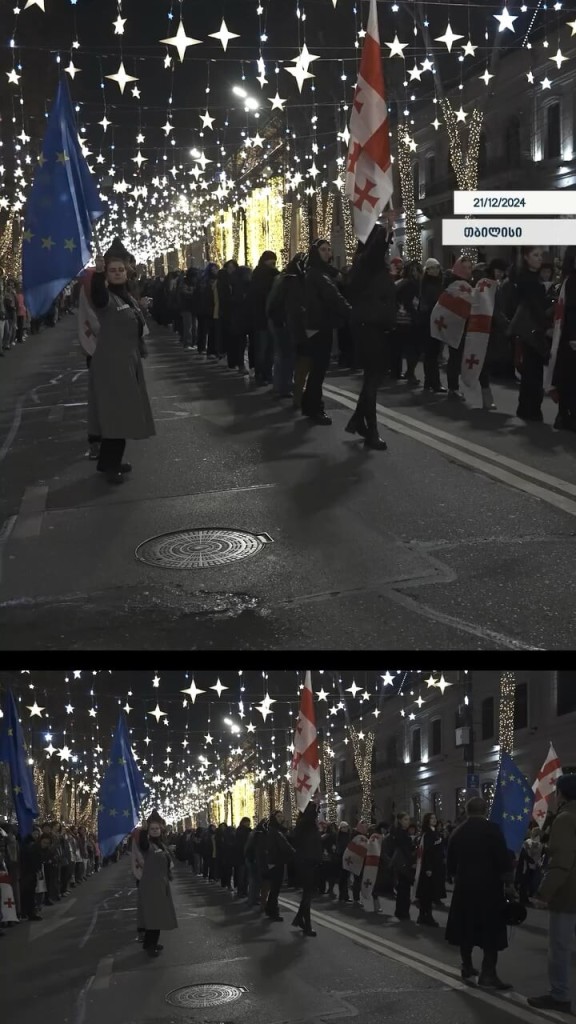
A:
{"x": 327, "y": 764}
{"x": 413, "y": 235}
{"x": 506, "y": 713}
{"x": 464, "y": 159}
{"x": 363, "y": 751}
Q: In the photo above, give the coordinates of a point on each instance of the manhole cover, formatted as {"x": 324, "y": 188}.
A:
{"x": 204, "y": 995}
{"x": 200, "y": 549}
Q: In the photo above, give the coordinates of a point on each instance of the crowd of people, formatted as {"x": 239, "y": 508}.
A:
{"x": 410, "y": 863}
{"x": 15, "y": 321}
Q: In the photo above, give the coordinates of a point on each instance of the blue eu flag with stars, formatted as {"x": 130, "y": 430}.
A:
{"x": 121, "y": 793}
{"x": 13, "y": 752}
{"x": 513, "y": 804}
{"x": 64, "y": 204}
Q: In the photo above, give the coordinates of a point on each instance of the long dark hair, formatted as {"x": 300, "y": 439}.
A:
{"x": 568, "y": 261}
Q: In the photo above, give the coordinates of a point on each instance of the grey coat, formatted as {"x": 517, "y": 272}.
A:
{"x": 155, "y": 905}
{"x": 118, "y": 403}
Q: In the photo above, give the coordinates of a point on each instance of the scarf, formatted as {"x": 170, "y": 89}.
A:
{"x": 371, "y": 865}
{"x": 449, "y": 316}
{"x": 355, "y": 855}
{"x": 136, "y": 855}
{"x": 7, "y": 904}
{"x": 559, "y": 314}
{"x": 478, "y": 331}
{"x": 419, "y": 857}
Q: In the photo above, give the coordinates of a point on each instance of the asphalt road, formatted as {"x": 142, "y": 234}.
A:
{"x": 460, "y": 537}
{"x": 82, "y": 965}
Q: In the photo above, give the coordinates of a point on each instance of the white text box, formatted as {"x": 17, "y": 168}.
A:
{"x": 515, "y": 203}
{"x": 509, "y": 232}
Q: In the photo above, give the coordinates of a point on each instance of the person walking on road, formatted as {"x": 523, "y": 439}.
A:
{"x": 430, "y": 888}
{"x": 557, "y": 892}
{"x": 118, "y": 403}
{"x": 308, "y": 845}
{"x": 403, "y": 866}
{"x": 155, "y": 906}
{"x": 278, "y": 853}
{"x": 481, "y": 865}
{"x": 326, "y": 309}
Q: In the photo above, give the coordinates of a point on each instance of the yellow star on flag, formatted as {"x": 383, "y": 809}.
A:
{"x": 113, "y": 812}
{"x": 70, "y": 244}
{"x": 47, "y": 243}
{"x": 16, "y": 790}
{"x": 62, "y": 158}
{"x": 41, "y": 159}
{"x": 27, "y": 236}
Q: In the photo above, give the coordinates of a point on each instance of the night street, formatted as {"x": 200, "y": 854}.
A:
{"x": 82, "y": 964}
{"x": 460, "y": 536}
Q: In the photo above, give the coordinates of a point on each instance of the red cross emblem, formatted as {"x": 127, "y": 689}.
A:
{"x": 472, "y": 361}
{"x": 357, "y": 104}
{"x": 9, "y": 903}
{"x": 354, "y": 156}
{"x": 349, "y": 861}
{"x": 464, "y": 288}
{"x": 540, "y": 814}
{"x": 483, "y": 285}
{"x": 364, "y": 195}
{"x": 303, "y": 784}
{"x": 441, "y": 324}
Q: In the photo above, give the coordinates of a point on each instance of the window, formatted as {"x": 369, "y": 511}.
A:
{"x": 565, "y": 692}
{"x": 431, "y": 247}
{"x": 553, "y": 131}
{"x": 435, "y": 740}
{"x": 417, "y": 807}
{"x": 430, "y": 169}
{"x": 488, "y": 718}
{"x": 512, "y": 146}
{"x": 392, "y": 751}
{"x": 488, "y": 792}
{"x": 437, "y": 804}
{"x": 482, "y": 156}
{"x": 521, "y": 706}
{"x": 460, "y": 801}
{"x": 416, "y": 745}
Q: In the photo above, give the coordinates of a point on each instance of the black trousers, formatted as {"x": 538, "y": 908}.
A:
{"x": 92, "y": 438}
{"x": 111, "y": 452}
{"x": 306, "y": 876}
{"x": 454, "y": 366}
{"x": 206, "y": 335}
{"x": 28, "y": 895}
{"x": 403, "y": 888}
{"x": 276, "y": 875}
{"x": 432, "y": 350}
{"x": 488, "y": 963}
{"x": 151, "y": 937}
{"x": 531, "y": 384}
{"x": 235, "y": 345}
{"x": 320, "y": 349}
{"x": 343, "y": 885}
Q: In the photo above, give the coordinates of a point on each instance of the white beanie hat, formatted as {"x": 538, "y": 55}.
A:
{"x": 430, "y": 263}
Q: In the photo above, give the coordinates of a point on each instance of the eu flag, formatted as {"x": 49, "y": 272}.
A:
{"x": 121, "y": 793}
{"x": 13, "y": 751}
{"x": 63, "y": 205}
{"x": 513, "y": 804}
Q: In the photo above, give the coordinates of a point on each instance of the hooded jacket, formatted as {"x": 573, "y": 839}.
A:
{"x": 260, "y": 286}
{"x": 326, "y": 307}
{"x": 558, "y": 887}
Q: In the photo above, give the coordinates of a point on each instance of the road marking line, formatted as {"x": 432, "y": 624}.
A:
{"x": 56, "y": 414}
{"x": 486, "y": 453}
{"x": 16, "y": 421}
{"x": 468, "y": 460}
{"x": 80, "y": 1008}
{"x": 103, "y": 973}
{"x": 424, "y": 965}
{"x": 31, "y": 513}
{"x": 91, "y": 928}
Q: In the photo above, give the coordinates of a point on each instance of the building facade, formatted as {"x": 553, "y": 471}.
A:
{"x": 421, "y": 764}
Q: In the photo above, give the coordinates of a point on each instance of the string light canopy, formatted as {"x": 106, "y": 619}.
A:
{"x": 506, "y": 713}
{"x": 205, "y": 149}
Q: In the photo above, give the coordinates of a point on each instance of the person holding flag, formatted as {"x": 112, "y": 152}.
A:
{"x": 306, "y": 762}
{"x": 121, "y": 793}
{"x": 544, "y": 786}
{"x": 13, "y": 753}
{"x": 63, "y": 206}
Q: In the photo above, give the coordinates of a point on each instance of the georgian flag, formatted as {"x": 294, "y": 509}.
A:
{"x": 7, "y": 898}
{"x": 449, "y": 316}
{"x": 371, "y": 865}
{"x": 559, "y": 314}
{"x": 478, "y": 331}
{"x": 355, "y": 855}
{"x": 369, "y": 182}
{"x": 545, "y": 785}
{"x": 306, "y": 763}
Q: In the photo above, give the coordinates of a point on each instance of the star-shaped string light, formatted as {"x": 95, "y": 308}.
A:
{"x": 78, "y": 674}
{"x": 36, "y": 3}
{"x": 396, "y": 47}
{"x": 50, "y": 749}
{"x": 469, "y": 49}
{"x": 35, "y": 710}
{"x": 69, "y": 709}
{"x": 181, "y": 41}
{"x": 122, "y": 77}
{"x": 265, "y": 706}
{"x": 353, "y": 689}
{"x": 119, "y": 26}
{"x": 449, "y": 38}
{"x": 207, "y": 121}
{"x": 224, "y": 35}
{"x": 277, "y": 102}
{"x": 219, "y": 688}
{"x": 208, "y": 738}
{"x": 193, "y": 691}
{"x": 65, "y": 753}
{"x": 387, "y": 679}
{"x": 157, "y": 713}
{"x": 322, "y": 695}
{"x": 505, "y": 20}
{"x": 300, "y": 74}
{"x": 127, "y": 708}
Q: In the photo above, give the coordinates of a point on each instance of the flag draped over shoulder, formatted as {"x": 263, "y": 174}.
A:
{"x": 306, "y": 763}
{"x": 63, "y": 206}
{"x": 371, "y": 865}
{"x": 121, "y": 793}
{"x": 545, "y": 785}
{"x": 449, "y": 316}
{"x": 355, "y": 855}
{"x": 7, "y": 901}
{"x": 478, "y": 331}
{"x": 513, "y": 804}
{"x": 13, "y": 752}
{"x": 559, "y": 316}
{"x": 369, "y": 182}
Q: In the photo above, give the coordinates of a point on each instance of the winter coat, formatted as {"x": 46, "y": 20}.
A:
{"x": 403, "y": 861}
{"x": 430, "y": 291}
{"x": 187, "y": 293}
{"x": 326, "y": 307}
{"x": 407, "y": 298}
{"x": 278, "y": 850}
{"x": 243, "y": 833}
{"x": 432, "y": 887}
{"x": 255, "y": 851}
{"x": 294, "y": 292}
{"x": 558, "y": 887}
{"x": 118, "y": 403}
{"x": 205, "y": 298}
{"x": 532, "y": 296}
{"x": 480, "y": 865}
{"x": 232, "y": 290}
{"x": 565, "y": 368}
{"x": 373, "y": 299}
{"x": 308, "y": 844}
{"x": 155, "y": 905}
{"x": 258, "y": 291}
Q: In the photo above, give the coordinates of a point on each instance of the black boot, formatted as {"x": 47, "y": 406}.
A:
{"x": 468, "y": 971}
{"x": 298, "y": 921}
{"x": 357, "y": 425}
{"x": 373, "y": 440}
{"x": 493, "y": 981}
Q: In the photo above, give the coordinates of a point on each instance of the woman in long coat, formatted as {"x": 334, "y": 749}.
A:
{"x": 118, "y": 404}
{"x": 431, "y": 888}
{"x": 155, "y": 906}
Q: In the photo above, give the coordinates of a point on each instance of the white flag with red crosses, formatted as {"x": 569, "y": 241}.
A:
{"x": 305, "y": 762}
{"x": 478, "y": 331}
{"x": 369, "y": 182}
{"x": 450, "y": 314}
{"x": 7, "y": 898}
{"x": 545, "y": 785}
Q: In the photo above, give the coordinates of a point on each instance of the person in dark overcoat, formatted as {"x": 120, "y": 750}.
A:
{"x": 308, "y": 846}
{"x": 403, "y": 865}
{"x": 156, "y": 911}
{"x": 118, "y": 403}
{"x": 481, "y": 865}
{"x": 430, "y": 888}
{"x": 344, "y": 833}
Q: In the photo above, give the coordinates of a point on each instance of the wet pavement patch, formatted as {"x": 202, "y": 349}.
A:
{"x": 200, "y": 549}
{"x": 193, "y": 996}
